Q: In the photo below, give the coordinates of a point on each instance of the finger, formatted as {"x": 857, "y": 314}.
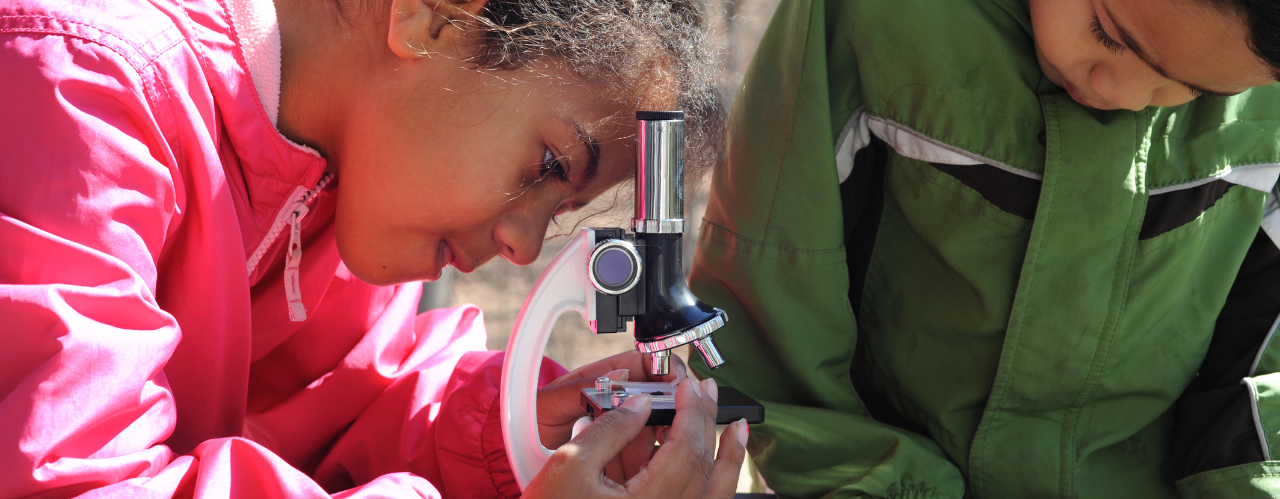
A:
{"x": 728, "y": 464}
{"x": 711, "y": 392}
{"x": 683, "y": 457}
{"x": 605, "y": 437}
{"x": 637, "y": 453}
{"x": 630, "y": 360}
{"x": 614, "y": 471}
{"x": 678, "y": 370}
{"x": 559, "y": 406}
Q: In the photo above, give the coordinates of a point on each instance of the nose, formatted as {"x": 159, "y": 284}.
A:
{"x": 519, "y": 239}
{"x": 1126, "y": 86}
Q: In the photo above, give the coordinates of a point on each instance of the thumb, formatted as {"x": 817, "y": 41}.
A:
{"x": 609, "y": 434}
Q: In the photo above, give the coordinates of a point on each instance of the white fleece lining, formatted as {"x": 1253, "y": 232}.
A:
{"x": 1257, "y": 418}
{"x": 259, "y": 31}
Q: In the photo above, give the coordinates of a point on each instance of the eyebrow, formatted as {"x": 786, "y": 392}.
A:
{"x": 1132, "y": 44}
{"x": 593, "y": 152}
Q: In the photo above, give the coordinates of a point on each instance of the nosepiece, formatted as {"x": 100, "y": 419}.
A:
{"x": 659, "y": 350}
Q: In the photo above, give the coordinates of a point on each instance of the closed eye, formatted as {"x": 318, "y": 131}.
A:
{"x": 1101, "y": 34}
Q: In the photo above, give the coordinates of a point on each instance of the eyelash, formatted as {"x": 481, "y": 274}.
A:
{"x": 552, "y": 166}
{"x": 1116, "y": 47}
{"x": 1103, "y": 38}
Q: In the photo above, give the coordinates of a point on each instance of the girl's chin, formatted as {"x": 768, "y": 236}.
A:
{"x": 384, "y": 275}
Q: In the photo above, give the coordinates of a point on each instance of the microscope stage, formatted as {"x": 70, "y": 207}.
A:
{"x": 733, "y": 404}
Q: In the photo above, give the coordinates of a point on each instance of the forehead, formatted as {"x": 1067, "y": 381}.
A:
{"x": 649, "y": 86}
{"x": 1191, "y": 41}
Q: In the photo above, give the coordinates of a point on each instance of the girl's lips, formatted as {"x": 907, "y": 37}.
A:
{"x": 444, "y": 255}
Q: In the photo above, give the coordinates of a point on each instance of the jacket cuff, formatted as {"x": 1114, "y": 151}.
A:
{"x": 469, "y": 444}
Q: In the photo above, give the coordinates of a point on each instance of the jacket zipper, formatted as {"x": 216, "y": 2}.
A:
{"x": 291, "y": 216}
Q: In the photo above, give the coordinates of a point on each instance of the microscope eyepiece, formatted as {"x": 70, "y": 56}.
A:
{"x": 659, "y": 115}
{"x": 659, "y": 172}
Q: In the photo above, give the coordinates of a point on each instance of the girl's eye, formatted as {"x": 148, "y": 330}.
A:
{"x": 1103, "y": 38}
{"x": 553, "y": 167}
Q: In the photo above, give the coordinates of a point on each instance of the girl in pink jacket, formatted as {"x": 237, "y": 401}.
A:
{"x": 206, "y": 207}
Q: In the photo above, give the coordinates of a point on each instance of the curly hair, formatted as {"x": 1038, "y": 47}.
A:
{"x": 623, "y": 44}
{"x": 628, "y": 47}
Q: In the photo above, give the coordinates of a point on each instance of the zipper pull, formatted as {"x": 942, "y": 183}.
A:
{"x": 292, "y": 263}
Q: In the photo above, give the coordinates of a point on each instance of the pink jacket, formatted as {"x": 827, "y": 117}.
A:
{"x": 146, "y": 208}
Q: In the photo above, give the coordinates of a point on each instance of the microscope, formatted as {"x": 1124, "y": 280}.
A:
{"x": 611, "y": 277}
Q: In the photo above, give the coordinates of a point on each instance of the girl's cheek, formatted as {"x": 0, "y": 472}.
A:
{"x": 1169, "y": 96}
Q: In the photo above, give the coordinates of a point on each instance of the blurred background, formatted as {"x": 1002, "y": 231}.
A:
{"x": 499, "y": 287}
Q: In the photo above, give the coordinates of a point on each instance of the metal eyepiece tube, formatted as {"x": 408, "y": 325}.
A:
{"x": 659, "y": 172}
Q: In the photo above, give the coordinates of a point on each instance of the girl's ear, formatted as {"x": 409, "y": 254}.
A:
{"x": 420, "y": 28}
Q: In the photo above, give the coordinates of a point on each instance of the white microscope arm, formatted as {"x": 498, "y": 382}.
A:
{"x": 561, "y": 288}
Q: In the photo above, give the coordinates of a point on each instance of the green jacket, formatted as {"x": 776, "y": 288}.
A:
{"x": 946, "y": 278}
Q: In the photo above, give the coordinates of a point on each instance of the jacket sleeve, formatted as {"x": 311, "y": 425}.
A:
{"x": 415, "y": 394}
{"x": 87, "y": 199}
{"x": 772, "y": 254}
{"x": 1226, "y": 438}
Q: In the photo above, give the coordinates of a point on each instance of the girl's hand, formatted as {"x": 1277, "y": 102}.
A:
{"x": 559, "y": 407}
{"x": 685, "y": 466}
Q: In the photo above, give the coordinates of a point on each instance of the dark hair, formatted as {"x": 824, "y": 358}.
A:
{"x": 1262, "y": 17}
{"x": 624, "y": 45}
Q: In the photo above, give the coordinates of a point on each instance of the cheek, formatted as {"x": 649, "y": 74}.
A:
{"x": 366, "y": 245}
{"x": 1059, "y": 43}
{"x": 1171, "y": 95}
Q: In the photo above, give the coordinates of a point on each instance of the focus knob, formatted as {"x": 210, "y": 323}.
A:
{"x": 614, "y": 267}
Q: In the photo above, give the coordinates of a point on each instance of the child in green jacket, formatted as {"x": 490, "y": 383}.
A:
{"x": 1005, "y": 248}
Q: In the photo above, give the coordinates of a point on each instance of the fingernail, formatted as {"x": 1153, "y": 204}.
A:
{"x": 681, "y": 373}
{"x": 619, "y": 375}
{"x": 638, "y": 402}
{"x": 693, "y": 386}
{"x": 743, "y": 432}
{"x": 709, "y": 386}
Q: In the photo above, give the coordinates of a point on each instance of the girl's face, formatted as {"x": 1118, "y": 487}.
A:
{"x": 439, "y": 163}
{"x": 470, "y": 165}
{"x": 1130, "y": 54}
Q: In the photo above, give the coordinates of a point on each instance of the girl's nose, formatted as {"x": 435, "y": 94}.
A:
{"x": 1126, "y": 86}
{"x": 519, "y": 239}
